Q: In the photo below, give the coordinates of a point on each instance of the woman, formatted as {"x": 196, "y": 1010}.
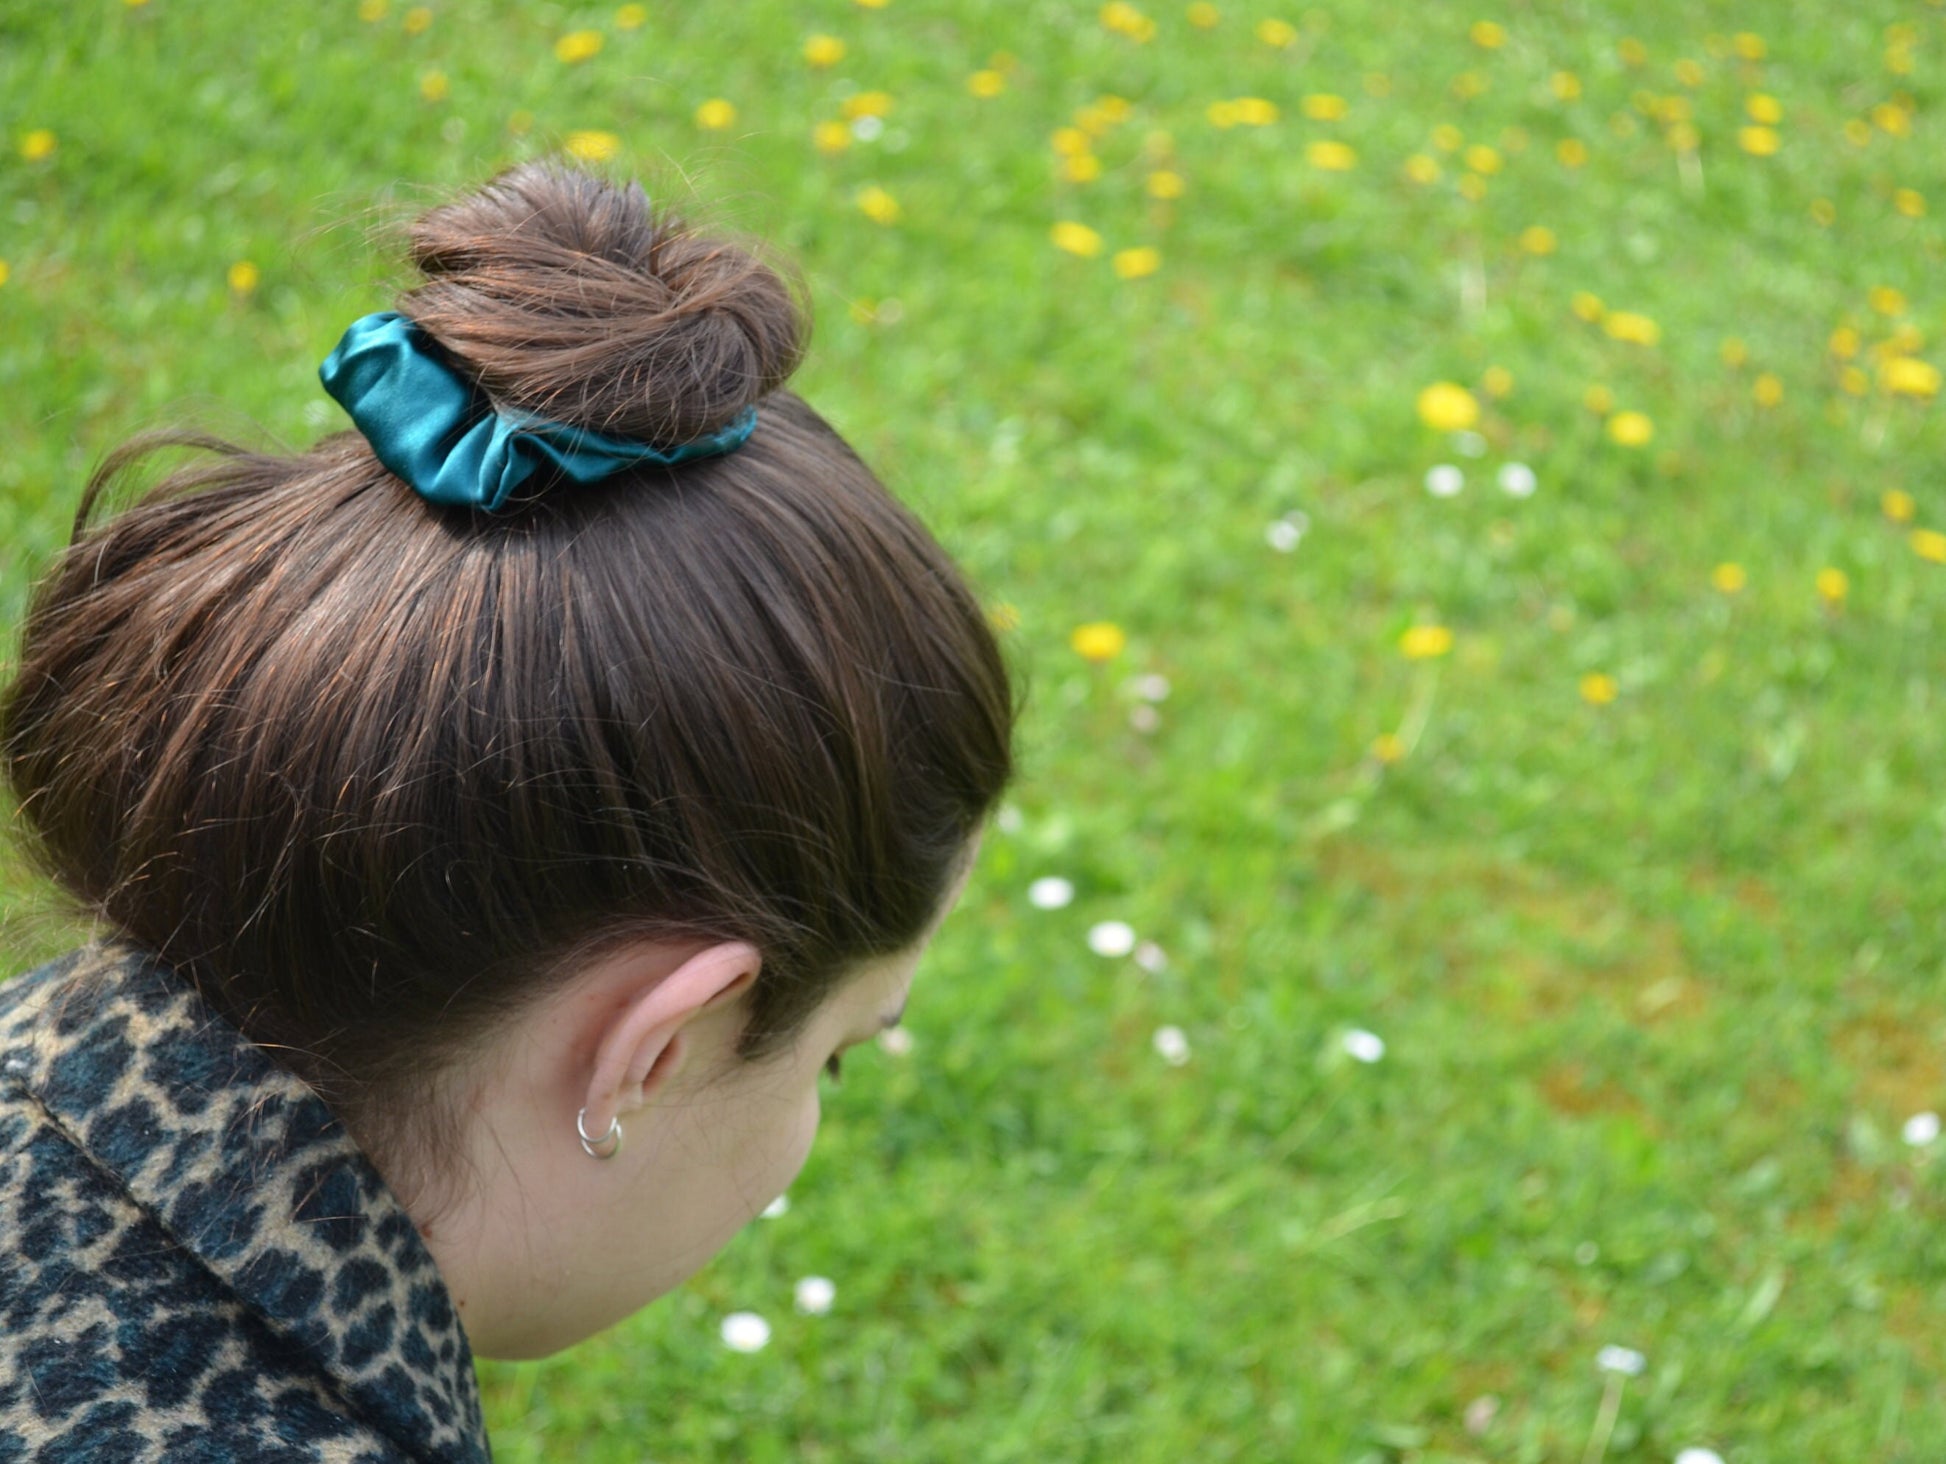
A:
{"x": 500, "y": 814}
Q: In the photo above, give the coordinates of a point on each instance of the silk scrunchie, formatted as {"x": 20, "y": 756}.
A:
{"x": 442, "y": 434}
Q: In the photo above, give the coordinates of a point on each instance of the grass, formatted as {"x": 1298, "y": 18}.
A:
{"x": 1659, "y": 976}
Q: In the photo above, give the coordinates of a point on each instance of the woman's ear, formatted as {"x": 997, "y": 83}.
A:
{"x": 646, "y": 1044}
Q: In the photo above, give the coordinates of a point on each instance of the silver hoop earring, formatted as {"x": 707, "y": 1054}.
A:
{"x": 613, "y": 1138}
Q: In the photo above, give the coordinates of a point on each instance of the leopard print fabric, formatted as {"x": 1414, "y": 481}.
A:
{"x": 197, "y": 1264}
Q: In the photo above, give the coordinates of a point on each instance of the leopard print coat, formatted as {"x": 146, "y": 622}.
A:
{"x": 197, "y": 1264}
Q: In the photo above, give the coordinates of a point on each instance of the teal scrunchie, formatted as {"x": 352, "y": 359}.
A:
{"x": 440, "y": 433}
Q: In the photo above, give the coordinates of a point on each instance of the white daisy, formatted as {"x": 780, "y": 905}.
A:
{"x": 1112, "y": 938}
{"x": 814, "y": 1295}
{"x": 1172, "y": 1045}
{"x": 1051, "y": 893}
{"x": 745, "y": 1332}
{"x": 1362, "y": 1045}
{"x": 1443, "y": 480}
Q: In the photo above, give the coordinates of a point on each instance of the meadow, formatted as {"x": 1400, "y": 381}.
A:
{"x": 1462, "y": 975}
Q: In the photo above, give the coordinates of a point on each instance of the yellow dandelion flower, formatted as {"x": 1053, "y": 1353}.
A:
{"x": 1446, "y": 406}
{"x": 1759, "y": 142}
{"x": 1853, "y": 382}
{"x": 1683, "y": 138}
{"x": 1468, "y": 85}
{"x": 1844, "y": 343}
{"x": 1126, "y": 20}
{"x": 592, "y": 147}
{"x": 1425, "y": 642}
{"x": 822, "y": 51}
{"x": 1857, "y": 132}
{"x": 831, "y": 137}
{"x": 1571, "y": 151}
{"x": 418, "y": 20}
{"x": 1631, "y": 51}
{"x": 1487, "y": 35}
{"x": 373, "y": 11}
{"x": 1472, "y": 187}
{"x": 1388, "y": 748}
{"x": 1764, "y": 108}
{"x": 1598, "y": 689}
{"x": 1077, "y": 239}
{"x": 1222, "y": 114}
{"x": 1278, "y": 33}
{"x": 1910, "y": 202}
{"x": 1909, "y": 376}
{"x": 1111, "y": 108}
{"x": 1689, "y": 73}
{"x": 1204, "y": 17}
{"x": 716, "y": 114}
{"x": 1421, "y": 169}
{"x": 1497, "y": 381}
{"x": 1728, "y": 578}
{"x": 1897, "y": 505}
{"x": 1070, "y": 142}
{"x": 1749, "y": 45}
{"x": 1332, "y": 157}
{"x": 1733, "y": 351}
{"x": 1134, "y": 264}
{"x": 578, "y": 46}
{"x": 1587, "y": 306}
{"x": 1447, "y": 138}
{"x": 434, "y": 86}
{"x": 866, "y": 104}
{"x": 1098, "y": 641}
{"x": 1598, "y": 399}
{"x": 1766, "y": 390}
{"x": 631, "y": 17}
{"x": 1892, "y": 119}
{"x": 1833, "y": 586}
{"x": 878, "y": 205}
{"x": 1630, "y": 429}
{"x": 1928, "y": 544}
{"x": 38, "y": 144}
{"x": 6, "y": 272}
{"x": 1255, "y": 111}
{"x": 1483, "y": 159}
{"x": 244, "y": 277}
{"x": 1325, "y": 107}
{"x": 872, "y": 4}
{"x": 1823, "y": 212}
{"x": 1164, "y": 184}
{"x": 1898, "y": 60}
{"x": 987, "y": 83}
{"x": 1565, "y": 85}
{"x": 1886, "y": 300}
{"x": 1081, "y": 168}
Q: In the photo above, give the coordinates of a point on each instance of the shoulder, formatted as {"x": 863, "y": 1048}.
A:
{"x": 195, "y": 1261}
{"x": 120, "y": 1345}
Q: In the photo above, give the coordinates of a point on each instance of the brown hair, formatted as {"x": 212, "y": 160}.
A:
{"x": 371, "y": 772}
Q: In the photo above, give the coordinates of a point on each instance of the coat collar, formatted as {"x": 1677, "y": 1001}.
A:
{"x": 249, "y": 1171}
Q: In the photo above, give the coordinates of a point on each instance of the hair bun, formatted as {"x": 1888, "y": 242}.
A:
{"x": 567, "y": 297}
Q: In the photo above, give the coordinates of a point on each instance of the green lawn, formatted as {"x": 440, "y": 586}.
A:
{"x": 1638, "y": 870}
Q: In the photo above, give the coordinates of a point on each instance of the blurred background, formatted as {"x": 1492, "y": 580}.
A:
{"x": 1460, "y": 976}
